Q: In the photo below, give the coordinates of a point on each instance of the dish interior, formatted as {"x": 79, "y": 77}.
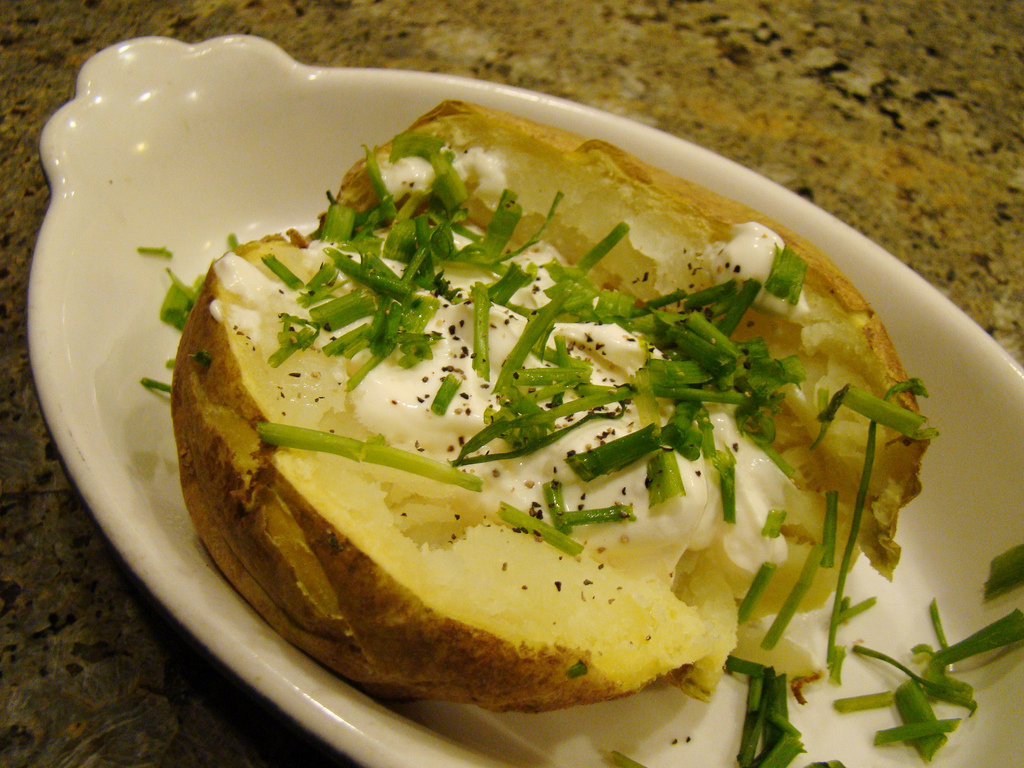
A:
{"x": 177, "y": 146}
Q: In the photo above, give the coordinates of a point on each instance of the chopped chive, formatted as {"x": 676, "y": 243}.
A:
{"x": 577, "y": 670}
{"x": 666, "y": 376}
{"x": 773, "y": 523}
{"x": 796, "y": 595}
{"x": 915, "y": 709}
{"x": 756, "y": 590}
{"x": 848, "y": 612}
{"x": 372, "y": 452}
{"x": 724, "y": 461}
{"x": 178, "y": 301}
{"x": 1006, "y": 572}
{"x": 284, "y": 274}
{"x": 423, "y": 466}
{"x": 536, "y": 331}
{"x": 705, "y": 329}
{"x": 939, "y": 686}
{"x": 828, "y": 534}
{"x": 621, "y": 761}
{"x": 481, "y": 330}
{"x": 669, "y": 298}
{"x": 349, "y": 342}
{"x": 615, "y": 455}
{"x": 338, "y": 223}
{"x": 343, "y": 310}
{"x": 738, "y": 666}
{"x": 1004, "y": 631}
{"x": 445, "y": 393}
{"x": 448, "y": 185}
{"x": 783, "y": 753}
{"x": 160, "y": 252}
{"x": 520, "y": 520}
{"x": 730, "y": 320}
{"x": 940, "y": 633}
{"x": 499, "y": 231}
{"x": 232, "y": 241}
{"x": 616, "y": 513}
{"x": 886, "y": 413}
{"x": 864, "y": 702}
{"x": 154, "y": 385}
{"x": 555, "y": 504}
{"x": 563, "y": 376}
{"x": 786, "y": 277}
{"x": 530, "y": 446}
{"x": 202, "y": 357}
{"x": 601, "y": 250}
{"x": 414, "y": 144}
{"x": 916, "y": 732}
{"x": 515, "y": 277}
{"x": 387, "y": 202}
{"x": 833, "y": 657}
{"x": 664, "y": 480}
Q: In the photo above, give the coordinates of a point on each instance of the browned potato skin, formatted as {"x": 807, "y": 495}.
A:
{"x": 379, "y": 634}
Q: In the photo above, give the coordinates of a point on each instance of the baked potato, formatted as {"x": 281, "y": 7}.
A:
{"x": 425, "y": 549}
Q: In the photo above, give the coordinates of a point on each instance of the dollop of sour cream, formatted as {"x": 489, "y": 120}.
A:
{"x": 395, "y": 401}
{"x": 749, "y": 254}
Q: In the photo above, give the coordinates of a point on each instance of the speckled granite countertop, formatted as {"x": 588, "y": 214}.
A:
{"x": 905, "y": 120}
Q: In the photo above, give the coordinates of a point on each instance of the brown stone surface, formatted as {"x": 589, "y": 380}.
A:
{"x": 906, "y": 120}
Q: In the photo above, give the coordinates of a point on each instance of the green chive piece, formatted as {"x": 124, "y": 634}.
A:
{"x": 773, "y": 523}
{"x": 414, "y": 144}
{"x": 916, "y": 732}
{"x": 481, "y": 330}
{"x": 828, "y": 535}
{"x": 616, "y": 513}
{"x": 448, "y": 185}
{"x": 449, "y": 386}
{"x": 664, "y": 480}
{"x": 178, "y": 301}
{"x": 738, "y": 666}
{"x": 754, "y": 593}
{"x": 786, "y": 278}
{"x": 370, "y": 451}
{"x": 940, "y": 633}
{"x": 153, "y": 385}
{"x": 833, "y": 657}
{"x": 915, "y": 709}
{"x": 730, "y": 321}
{"x": 601, "y": 250}
{"x": 1006, "y": 572}
{"x": 796, "y": 595}
{"x": 848, "y": 611}
{"x": 202, "y": 357}
{"x": 886, "y": 413}
{"x": 160, "y": 252}
{"x": 1004, "y": 631}
{"x": 940, "y": 686}
{"x": 339, "y": 222}
{"x": 344, "y": 310}
{"x": 615, "y": 455}
{"x": 232, "y": 241}
{"x": 577, "y": 670}
{"x": 284, "y": 274}
{"x": 621, "y": 761}
{"x": 520, "y": 520}
{"x": 783, "y": 753}
{"x": 536, "y": 331}
{"x": 864, "y": 702}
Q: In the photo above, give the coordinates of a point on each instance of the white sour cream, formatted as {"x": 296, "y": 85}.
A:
{"x": 749, "y": 254}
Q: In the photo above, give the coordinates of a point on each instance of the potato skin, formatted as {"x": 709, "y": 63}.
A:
{"x": 329, "y": 598}
{"x": 380, "y": 636}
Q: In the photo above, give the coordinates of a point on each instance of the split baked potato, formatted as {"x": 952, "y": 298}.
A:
{"x": 412, "y": 587}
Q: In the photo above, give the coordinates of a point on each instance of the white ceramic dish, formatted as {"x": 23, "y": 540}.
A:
{"x": 172, "y": 145}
